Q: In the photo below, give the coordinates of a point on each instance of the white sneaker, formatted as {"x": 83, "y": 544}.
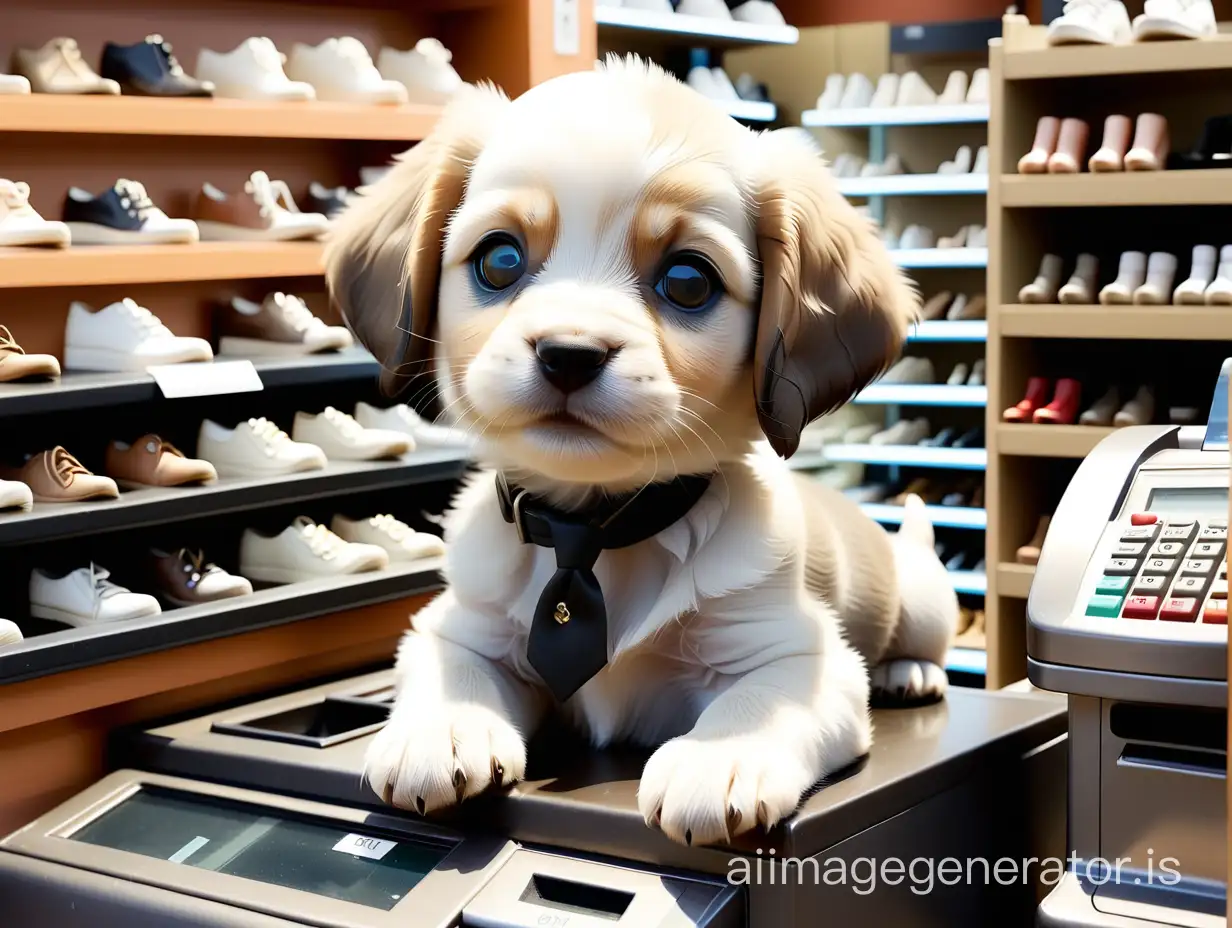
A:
{"x": 891, "y": 167}
{"x": 917, "y": 236}
{"x": 1091, "y": 22}
{"x": 980, "y": 164}
{"x": 848, "y": 165}
{"x": 913, "y": 90}
{"x": 20, "y": 224}
{"x": 13, "y": 84}
{"x": 832, "y": 94}
{"x": 1103, "y": 410}
{"x": 958, "y": 376}
{"x": 961, "y": 163}
{"x": 1156, "y": 290}
{"x": 1201, "y": 274}
{"x": 903, "y": 432}
{"x": 979, "y": 371}
{"x": 15, "y": 495}
{"x": 1044, "y": 288}
{"x": 707, "y": 9}
{"x": 723, "y": 87}
{"x": 86, "y": 597}
{"x": 425, "y": 71}
{"x": 760, "y": 12}
{"x": 405, "y": 420}
{"x": 344, "y": 439}
{"x": 9, "y": 633}
{"x": 284, "y": 221}
{"x": 886, "y": 92}
{"x": 955, "y": 90}
{"x": 701, "y": 79}
{"x": 1131, "y": 274}
{"x": 857, "y": 93}
{"x": 149, "y": 225}
{"x": 253, "y": 71}
{"x": 1081, "y": 286}
{"x": 1219, "y": 293}
{"x": 401, "y": 542}
{"x": 305, "y": 551}
{"x": 1138, "y": 411}
{"x": 341, "y": 71}
{"x": 978, "y": 91}
{"x": 910, "y": 370}
{"x": 255, "y": 448}
{"x": 1175, "y": 19}
{"x": 124, "y": 337}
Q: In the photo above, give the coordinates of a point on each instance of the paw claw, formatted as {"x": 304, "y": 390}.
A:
{"x": 459, "y": 783}
{"x": 420, "y": 805}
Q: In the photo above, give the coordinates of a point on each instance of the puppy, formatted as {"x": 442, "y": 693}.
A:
{"x": 706, "y": 292}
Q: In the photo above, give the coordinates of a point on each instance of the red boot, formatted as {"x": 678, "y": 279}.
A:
{"x": 1064, "y": 406}
{"x": 1037, "y": 395}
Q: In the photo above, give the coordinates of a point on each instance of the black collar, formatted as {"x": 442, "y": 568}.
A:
{"x": 568, "y": 637}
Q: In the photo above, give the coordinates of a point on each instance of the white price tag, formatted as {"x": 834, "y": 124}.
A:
{"x": 206, "y": 379}
{"x": 363, "y": 846}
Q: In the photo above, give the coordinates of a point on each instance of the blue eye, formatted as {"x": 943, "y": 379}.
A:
{"x": 499, "y": 263}
{"x": 690, "y": 283}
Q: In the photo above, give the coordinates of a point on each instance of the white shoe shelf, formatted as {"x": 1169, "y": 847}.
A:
{"x": 909, "y": 456}
{"x": 711, "y": 32}
{"x": 867, "y": 117}
{"x": 940, "y": 516}
{"x": 922, "y": 394}
{"x": 943, "y": 330}
{"x": 902, "y": 185}
{"x": 921, "y": 258}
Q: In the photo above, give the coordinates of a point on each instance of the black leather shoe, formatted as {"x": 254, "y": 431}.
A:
{"x": 148, "y": 69}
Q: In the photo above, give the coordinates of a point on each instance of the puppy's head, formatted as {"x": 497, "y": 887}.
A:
{"x": 612, "y": 281}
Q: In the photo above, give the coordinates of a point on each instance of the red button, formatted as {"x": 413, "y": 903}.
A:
{"x": 1143, "y": 518}
{"x": 1140, "y": 607}
{"x": 1216, "y": 612}
{"x": 1179, "y": 609}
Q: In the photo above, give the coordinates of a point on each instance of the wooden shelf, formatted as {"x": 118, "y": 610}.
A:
{"x": 1014, "y": 580}
{"x": 98, "y": 115}
{"x": 1132, "y": 188}
{"x": 1049, "y": 441}
{"x": 936, "y": 115}
{"x": 93, "y": 265}
{"x": 1179, "y": 323}
{"x": 676, "y": 26}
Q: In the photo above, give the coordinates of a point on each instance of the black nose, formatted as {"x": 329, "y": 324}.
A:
{"x": 569, "y": 365}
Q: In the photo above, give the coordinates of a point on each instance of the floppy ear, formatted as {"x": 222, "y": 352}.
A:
{"x": 383, "y": 257}
{"x": 834, "y": 308}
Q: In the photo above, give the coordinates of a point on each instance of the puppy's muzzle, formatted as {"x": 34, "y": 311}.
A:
{"x": 570, "y": 364}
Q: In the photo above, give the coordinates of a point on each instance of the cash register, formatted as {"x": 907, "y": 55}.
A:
{"x": 1128, "y": 614}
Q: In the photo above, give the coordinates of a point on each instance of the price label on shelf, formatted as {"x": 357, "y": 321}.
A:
{"x": 211, "y": 378}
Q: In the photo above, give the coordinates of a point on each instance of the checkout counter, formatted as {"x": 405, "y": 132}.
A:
{"x": 1128, "y": 615}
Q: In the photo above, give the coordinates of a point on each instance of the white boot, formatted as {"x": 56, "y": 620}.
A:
{"x": 913, "y": 90}
{"x": 1044, "y": 288}
{"x": 916, "y": 236}
{"x": 980, "y": 165}
{"x": 1219, "y": 293}
{"x": 1201, "y": 272}
{"x": 1138, "y": 411}
{"x": 1130, "y": 275}
{"x": 886, "y": 92}
{"x": 958, "y": 376}
{"x": 1103, "y": 409}
{"x": 977, "y": 374}
{"x": 977, "y": 236}
{"x": 1081, "y": 287}
{"x": 978, "y": 92}
{"x": 955, "y": 90}
{"x": 959, "y": 304}
{"x": 1160, "y": 272}
{"x": 857, "y": 94}
{"x": 832, "y": 93}
{"x": 961, "y": 163}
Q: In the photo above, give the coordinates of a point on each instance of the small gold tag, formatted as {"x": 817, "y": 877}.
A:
{"x": 562, "y": 614}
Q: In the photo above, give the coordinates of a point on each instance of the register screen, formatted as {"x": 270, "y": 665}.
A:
{"x": 258, "y": 843}
{"x": 1199, "y": 502}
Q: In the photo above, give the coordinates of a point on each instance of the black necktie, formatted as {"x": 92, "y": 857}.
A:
{"x": 568, "y": 636}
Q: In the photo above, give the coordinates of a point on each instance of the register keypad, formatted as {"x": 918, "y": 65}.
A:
{"x": 1171, "y": 571}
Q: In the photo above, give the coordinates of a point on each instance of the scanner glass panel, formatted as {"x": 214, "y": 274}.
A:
{"x": 326, "y": 859}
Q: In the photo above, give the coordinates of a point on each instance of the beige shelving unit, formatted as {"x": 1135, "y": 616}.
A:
{"x": 1029, "y": 216}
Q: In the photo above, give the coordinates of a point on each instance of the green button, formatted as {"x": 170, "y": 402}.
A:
{"x": 1113, "y": 586}
{"x": 1107, "y": 607}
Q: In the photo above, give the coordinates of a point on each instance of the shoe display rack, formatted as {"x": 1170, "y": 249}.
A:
{"x": 1124, "y": 323}
{"x": 62, "y": 688}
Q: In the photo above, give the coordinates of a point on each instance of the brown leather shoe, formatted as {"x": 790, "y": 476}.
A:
{"x": 15, "y": 364}
{"x": 279, "y": 325}
{"x": 152, "y": 462}
{"x": 56, "y": 476}
{"x": 183, "y": 578}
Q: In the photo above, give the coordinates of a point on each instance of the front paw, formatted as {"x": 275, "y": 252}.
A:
{"x": 704, "y": 792}
{"x": 426, "y": 759}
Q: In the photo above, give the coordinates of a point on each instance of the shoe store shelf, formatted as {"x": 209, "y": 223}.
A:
{"x": 969, "y": 581}
{"x": 1130, "y": 188}
{"x": 1014, "y": 580}
{"x": 940, "y": 330}
{"x": 967, "y": 660}
{"x": 938, "y": 114}
{"x": 751, "y": 110}
{"x": 96, "y": 265}
{"x": 1049, "y": 441}
{"x": 1172, "y": 323}
{"x": 909, "y": 456}
{"x": 942, "y": 516}
{"x": 713, "y": 31}
{"x": 73, "y": 648}
{"x": 922, "y": 394}
{"x": 82, "y": 390}
{"x": 904, "y": 185}
{"x": 124, "y": 115}
{"x": 940, "y": 257}
{"x": 158, "y": 505}
{"x": 1027, "y": 56}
